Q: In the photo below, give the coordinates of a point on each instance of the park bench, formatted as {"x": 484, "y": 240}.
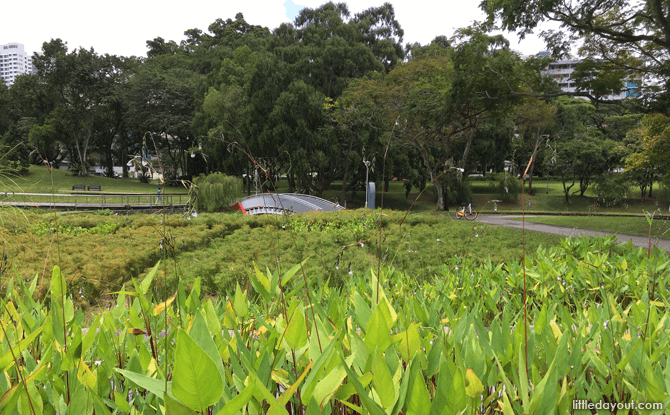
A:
{"x": 78, "y": 187}
{"x": 94, "y": 187}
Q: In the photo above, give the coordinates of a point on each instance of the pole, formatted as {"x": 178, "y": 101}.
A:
{"x": 367, "y": 183}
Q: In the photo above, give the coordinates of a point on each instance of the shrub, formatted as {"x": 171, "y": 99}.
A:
{"x": 508, "y": 187}
{"x": 216, "y": 191}
{"x": 612, "y": 189}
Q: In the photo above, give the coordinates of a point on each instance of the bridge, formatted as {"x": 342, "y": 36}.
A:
{"x": 93, "y": 200}
{"x": 280, "y": 203}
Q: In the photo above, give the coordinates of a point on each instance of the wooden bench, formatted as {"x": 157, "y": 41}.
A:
{"x": 94, "y": 187}
{"x": 78, "y": 187}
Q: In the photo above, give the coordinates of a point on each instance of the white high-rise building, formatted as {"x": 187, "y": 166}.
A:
{"x": 14, "y": 61}
{"x": 561, "y": 71}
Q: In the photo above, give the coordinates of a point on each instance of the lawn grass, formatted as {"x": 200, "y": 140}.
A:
{"x": 548, "y": 196}
{"x": 621, "y": 224}
{"x": 39, "y": 180}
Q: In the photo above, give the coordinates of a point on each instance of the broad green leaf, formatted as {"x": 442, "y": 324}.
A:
{"x": 329, "y": 385}
{"x": 362, "y": 310}
{"x": 265, "y": 282}
{"x": 90, "y": 335}
{"x": 262, "y": 393}
{"x": 377, "y": 332}
{"x": 541, "y": 321}
{"x": 507, "y": 407}
{"x": 296, "y": 332}
{"x": 10, "y": 397}
{"x": 410, "y": 342}
{"x": 383, "y": 381}
{"x": 121, "y": 401}
{"x": 239, "y": 401}
{"x": 388, "y": 312}
{"x": 240, "y": 302}
{"x": 201, "y": 335}
{"x": 146, "y": 282}
{"x": 174, "y": 407}
{"x": 290, "y": 273}
{"x": 367, "y": 402}
{"x": 153, "y": 385}
{"x": 58, "y": 285}
{"x": 195, "y": 381}
{"x": 317, "y": 372}
{"x": 7, "y": 360}
{"x": 418, "y": 401}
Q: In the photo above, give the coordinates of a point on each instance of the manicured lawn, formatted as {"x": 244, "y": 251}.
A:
{"x": 39, "y": 180}
{"x": 548, "y": 196}
{"x": 627, "y": 225}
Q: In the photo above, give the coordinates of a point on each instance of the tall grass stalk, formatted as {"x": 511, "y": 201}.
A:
{"x": 523, "y": 260}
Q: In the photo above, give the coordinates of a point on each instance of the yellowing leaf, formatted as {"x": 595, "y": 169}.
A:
{"x": 288, "y": 393}
{"x": 229, "y": 318}
{"x": 554, "y": 328}
{"x": 160, "y": 307}
{"x": 85, "y": 375}
{"x": 473, "y": 386}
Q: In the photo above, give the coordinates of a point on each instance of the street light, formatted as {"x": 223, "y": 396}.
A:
{"x": 367, "y": 185}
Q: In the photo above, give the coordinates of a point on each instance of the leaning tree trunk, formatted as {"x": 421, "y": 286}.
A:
{"x": 468, "y": 144}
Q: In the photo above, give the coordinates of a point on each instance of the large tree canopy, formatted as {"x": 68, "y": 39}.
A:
{"x": 436, "y": 100}
{"x": 623, "y": 40}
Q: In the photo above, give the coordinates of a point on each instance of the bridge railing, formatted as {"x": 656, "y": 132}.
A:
{"x": 93, "y": 200}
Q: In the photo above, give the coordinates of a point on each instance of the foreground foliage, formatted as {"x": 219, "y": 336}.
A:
{"x": 597, "y": 328}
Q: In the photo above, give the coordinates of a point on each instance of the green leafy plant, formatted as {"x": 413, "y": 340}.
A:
{"x": 216, "y": 191}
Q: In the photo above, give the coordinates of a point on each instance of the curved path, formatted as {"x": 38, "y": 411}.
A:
{"x": 510, "y": 222}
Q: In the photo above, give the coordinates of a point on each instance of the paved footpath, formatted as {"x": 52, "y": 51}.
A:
{"x": 510, "y": 222}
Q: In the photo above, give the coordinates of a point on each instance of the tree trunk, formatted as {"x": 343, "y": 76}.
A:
{"x": 468, "y": 144}
{"x": 345, "y": 176}
{"x": 538, "y": 141}
{"x": 439, "y": 188}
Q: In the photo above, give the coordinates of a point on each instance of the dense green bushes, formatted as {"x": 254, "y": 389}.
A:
{"x": 612, "y": 189}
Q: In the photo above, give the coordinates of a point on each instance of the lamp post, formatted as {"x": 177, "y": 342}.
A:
{"x": 367, "y": 170}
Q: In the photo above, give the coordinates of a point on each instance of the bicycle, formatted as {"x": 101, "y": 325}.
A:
{"x": 466, "y": 212}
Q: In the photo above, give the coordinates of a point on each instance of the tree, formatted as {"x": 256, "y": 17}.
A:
{"x": 534, "y": 117}
{"x": 160, "y": 99}
{"x": 80, "y": 83}
{"x": 436, "y": 100}
{"x": 622, "y": 39}
{"x": 649, "y": 151}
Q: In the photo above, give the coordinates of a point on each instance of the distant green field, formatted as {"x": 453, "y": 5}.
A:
{"x": 39, "y": 180}
{"x": 627, "y": 225}
{"x": 548, "y": 196}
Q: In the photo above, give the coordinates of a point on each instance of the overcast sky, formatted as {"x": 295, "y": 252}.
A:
{"x": 122, "y": 27}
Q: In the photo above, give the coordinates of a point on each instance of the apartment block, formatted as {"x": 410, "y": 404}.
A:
{"x": 14, "y": 61}
{"x": 561, "y": 71}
